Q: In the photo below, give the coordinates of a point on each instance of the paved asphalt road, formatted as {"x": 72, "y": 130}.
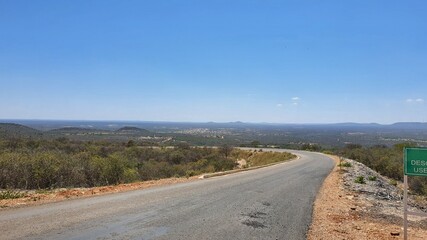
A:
{"x": 268, "y": 203}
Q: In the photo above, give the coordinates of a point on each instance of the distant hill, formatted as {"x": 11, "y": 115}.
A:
{"x": 13, "y": 130}
{"x": 351, "y": 124}
{"x": 410, "y": 125}
{"x": 133, "y": 130}
{"x": 73, "y": 130}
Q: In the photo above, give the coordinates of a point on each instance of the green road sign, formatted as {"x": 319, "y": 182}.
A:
{"x": 415, "y": 161}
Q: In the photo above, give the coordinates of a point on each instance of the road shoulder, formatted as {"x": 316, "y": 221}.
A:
{"x": 42, "y": 197}
{"x": 340, "y": 213}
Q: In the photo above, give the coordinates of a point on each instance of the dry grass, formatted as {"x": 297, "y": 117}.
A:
{"x": 253, "y": 158}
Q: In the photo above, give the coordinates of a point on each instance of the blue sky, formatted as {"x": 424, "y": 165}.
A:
{"x": 252, "y": 61}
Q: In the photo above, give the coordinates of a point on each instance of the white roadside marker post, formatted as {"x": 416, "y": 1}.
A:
{"x": 405, "y": 208}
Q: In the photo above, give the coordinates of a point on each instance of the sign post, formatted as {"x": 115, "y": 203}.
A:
{"x": 415, "y": 164}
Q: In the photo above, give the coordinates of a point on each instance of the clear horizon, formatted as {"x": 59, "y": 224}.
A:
{"x": 195, "y": 122}
{"x": 300, "y": 62}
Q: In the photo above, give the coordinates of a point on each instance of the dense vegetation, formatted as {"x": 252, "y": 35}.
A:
{"x": 387, "y": 161}
{"x": 74, "y": 156}
{"x": 37, "y": 164}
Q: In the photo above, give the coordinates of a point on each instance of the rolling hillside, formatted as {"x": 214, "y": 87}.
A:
{"x": 12, "y": 130}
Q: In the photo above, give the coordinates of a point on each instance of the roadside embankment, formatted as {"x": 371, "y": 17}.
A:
{"x": 355, "y": 202}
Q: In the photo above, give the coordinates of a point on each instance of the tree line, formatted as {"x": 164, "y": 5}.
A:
{"x": 39, "y": 164}
{"x": 59, "y": 163}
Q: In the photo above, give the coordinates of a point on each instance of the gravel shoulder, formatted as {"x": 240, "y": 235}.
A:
{"x": 347, "y": 210}
{"x": 31, "y": 198}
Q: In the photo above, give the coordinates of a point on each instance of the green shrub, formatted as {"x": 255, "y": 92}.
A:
{"x": 190, "y": 173}
{"x": 223, "y": 164}
{"x": 130, "y": 175}
{"x": 43, "y": 191}
{"x": 63, "y": 163}
{"x": 372, "y": 178}
{"x": 360, "y": 180}
{"x": 393, "y": 182}
{"x": 11, "y": 194}
{"x": 327, "y": 152}
{"x": 345, "y": 164}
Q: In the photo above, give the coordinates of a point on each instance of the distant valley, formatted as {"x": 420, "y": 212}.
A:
{"x": 211, "y": 133}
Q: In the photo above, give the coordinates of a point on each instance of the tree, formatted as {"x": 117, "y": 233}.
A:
{"x": 183, "y": 146}
{"x": 225, "y": 150}
{"x": 255, "y": 143}
{"x": 130, "y": 143}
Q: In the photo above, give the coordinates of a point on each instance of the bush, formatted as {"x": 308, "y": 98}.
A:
{"x": 190, "y": 173}
{"x": 418, "y": 185}
{"x": 63, "y": 163}
{"x": 393, "y": 182}
{"x": 360, "y": 180}
{"x": 385, "y": 160}
{"x": 328, "y": 152}
{"x": 345, "y": 164}
{"x": 223, "y": 164}
{"x": 372, "y": 178}
{"x": 130, "y": 175}
{"x": 10, "y": 194}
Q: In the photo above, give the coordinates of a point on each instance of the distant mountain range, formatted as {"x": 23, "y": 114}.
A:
{"x": 412, "y": 125}
{"x": 34, "y": 126}
{"x": 65, "y": 125}
{"x": 208, "y": 133}
{"x": 14, "y": 130}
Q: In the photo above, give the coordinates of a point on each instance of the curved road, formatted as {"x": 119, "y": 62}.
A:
{"x": 268, "y": 203}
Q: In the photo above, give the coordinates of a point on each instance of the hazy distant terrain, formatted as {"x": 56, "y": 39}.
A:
{"x": 378, "y": 146}
{"x": 234, "y": 133}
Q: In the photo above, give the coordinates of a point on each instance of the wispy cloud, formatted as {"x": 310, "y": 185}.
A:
{"x": 295, "y": 101}
{"x": 416, "y": 100}
{"x": 279, "y": 105}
